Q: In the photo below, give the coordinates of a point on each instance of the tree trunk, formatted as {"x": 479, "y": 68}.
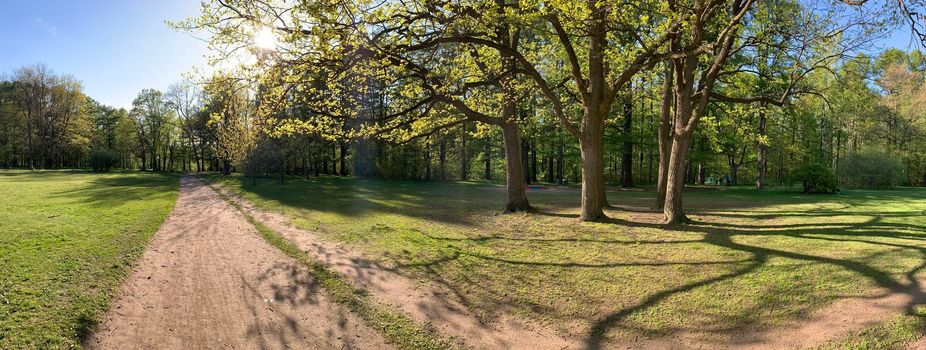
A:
{"x": 627, "y": 151}
{"x": 593, "y": 193}
{"x": 427, "y": 159}
{"x": 675, "y": 181}
{"x": 533, "y": 161}
{"x": 442, "y": 159}
{"x": 760, "y": 177}
{"x": 343, "y": 156}
{"x": 514, "y": 172}
{"x": 665, "y": 137}
{"x": 226, "y": 167}
{"x": 525, "y": 160}
{"x": 702, "y": 171}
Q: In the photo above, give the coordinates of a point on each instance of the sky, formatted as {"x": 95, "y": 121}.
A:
{"x": 115, "y": 47}
{"x": 119, "y": 47}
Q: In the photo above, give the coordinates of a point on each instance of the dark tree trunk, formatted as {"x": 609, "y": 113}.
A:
{"x": 442, "y": 159}
{"x": 702, "y": 174}
{"x": 427, "y": 159}
{"x": 343, "y": 156}
{"x": 525, "y": 160}
{"x": 533, "y": 161}
{"x": 464, "y": 171}
{"x": 627, "y": 151}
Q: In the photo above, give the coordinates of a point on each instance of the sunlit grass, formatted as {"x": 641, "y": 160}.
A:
{"x": 67, "y": 239}
{"x": 751, "y": 260}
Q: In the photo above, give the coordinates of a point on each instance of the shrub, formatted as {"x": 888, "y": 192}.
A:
{"x": 103, "y": 160}
{"x": 816, "y": 178}
{"x": 871, "y": 169}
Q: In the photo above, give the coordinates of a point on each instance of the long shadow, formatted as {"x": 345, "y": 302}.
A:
{"x": 108, "y": 190}
{"x": 720, "y": 237}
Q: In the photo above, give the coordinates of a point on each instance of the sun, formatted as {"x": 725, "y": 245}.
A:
{"x": 265, "y": 39}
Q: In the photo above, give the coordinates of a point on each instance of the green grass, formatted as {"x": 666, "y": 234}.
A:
{"x": 751, "y": 260}
{"x": 396, "y": 327}
{"x": 67, "y": 239}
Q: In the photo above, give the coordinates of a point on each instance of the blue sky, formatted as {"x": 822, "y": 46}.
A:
{"x": 115, "y": 47}
{"x": 119, "y": 47}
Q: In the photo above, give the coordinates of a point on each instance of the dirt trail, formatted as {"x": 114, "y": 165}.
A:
{"x": 424, "y": 303}
{"x": 207, "y": 280}
{"x": 429, "y": 303}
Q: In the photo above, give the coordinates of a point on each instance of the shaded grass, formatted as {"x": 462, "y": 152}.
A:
{"x": 67, "y": 239}
{"x": 751, "y": 260}
{"x": 396, "y": 327}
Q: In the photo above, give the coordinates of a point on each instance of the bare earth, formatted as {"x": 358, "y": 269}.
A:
{"x": 207, "y": 280}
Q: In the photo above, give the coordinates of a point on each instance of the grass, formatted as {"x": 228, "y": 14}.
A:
{"x": 751, "y": 260}
{"x": 893, "y": 334}
{"x": 398, "y": 329}
{"x": 67, "y": 240}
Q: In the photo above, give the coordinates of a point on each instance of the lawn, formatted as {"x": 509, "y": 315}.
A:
{"x": 67, "y": 240}
{"x": 751, "y": 260}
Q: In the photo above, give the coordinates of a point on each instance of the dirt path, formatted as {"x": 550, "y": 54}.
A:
{"x": 428, "y": 303}
{"x": 424, "y": 303}
{"x": 207, "y": 280}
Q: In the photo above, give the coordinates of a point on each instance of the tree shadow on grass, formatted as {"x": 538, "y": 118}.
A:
{"x": 873, "y": 231}
{"x": 717, "y": 235}
{"x": 109, "y": 190}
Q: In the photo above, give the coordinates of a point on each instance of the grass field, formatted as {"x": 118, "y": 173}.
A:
{"x": 750, "y": 260}
{"x": 67, "y": 239}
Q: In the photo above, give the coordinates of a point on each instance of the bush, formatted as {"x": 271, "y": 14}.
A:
{"x": 816, "y": 178}
{"x": 103, "y": 160}
{"x": 871, "y": 169}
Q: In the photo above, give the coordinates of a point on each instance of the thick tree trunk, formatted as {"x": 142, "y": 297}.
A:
{"x": 593, "y": 191}
{"x": 665, "y": 137}
{"x": 226, "y": 167}
{"x": 516, "y": 196}
{"x": 760, "y": 176}
{"x": 675, "y": 181}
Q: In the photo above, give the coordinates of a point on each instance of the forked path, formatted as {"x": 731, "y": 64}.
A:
{"x": 207, "y": 280}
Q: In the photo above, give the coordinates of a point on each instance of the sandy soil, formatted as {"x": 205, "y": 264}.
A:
{"x": 431, "y": 303}
{"x": 208, "y": 281}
